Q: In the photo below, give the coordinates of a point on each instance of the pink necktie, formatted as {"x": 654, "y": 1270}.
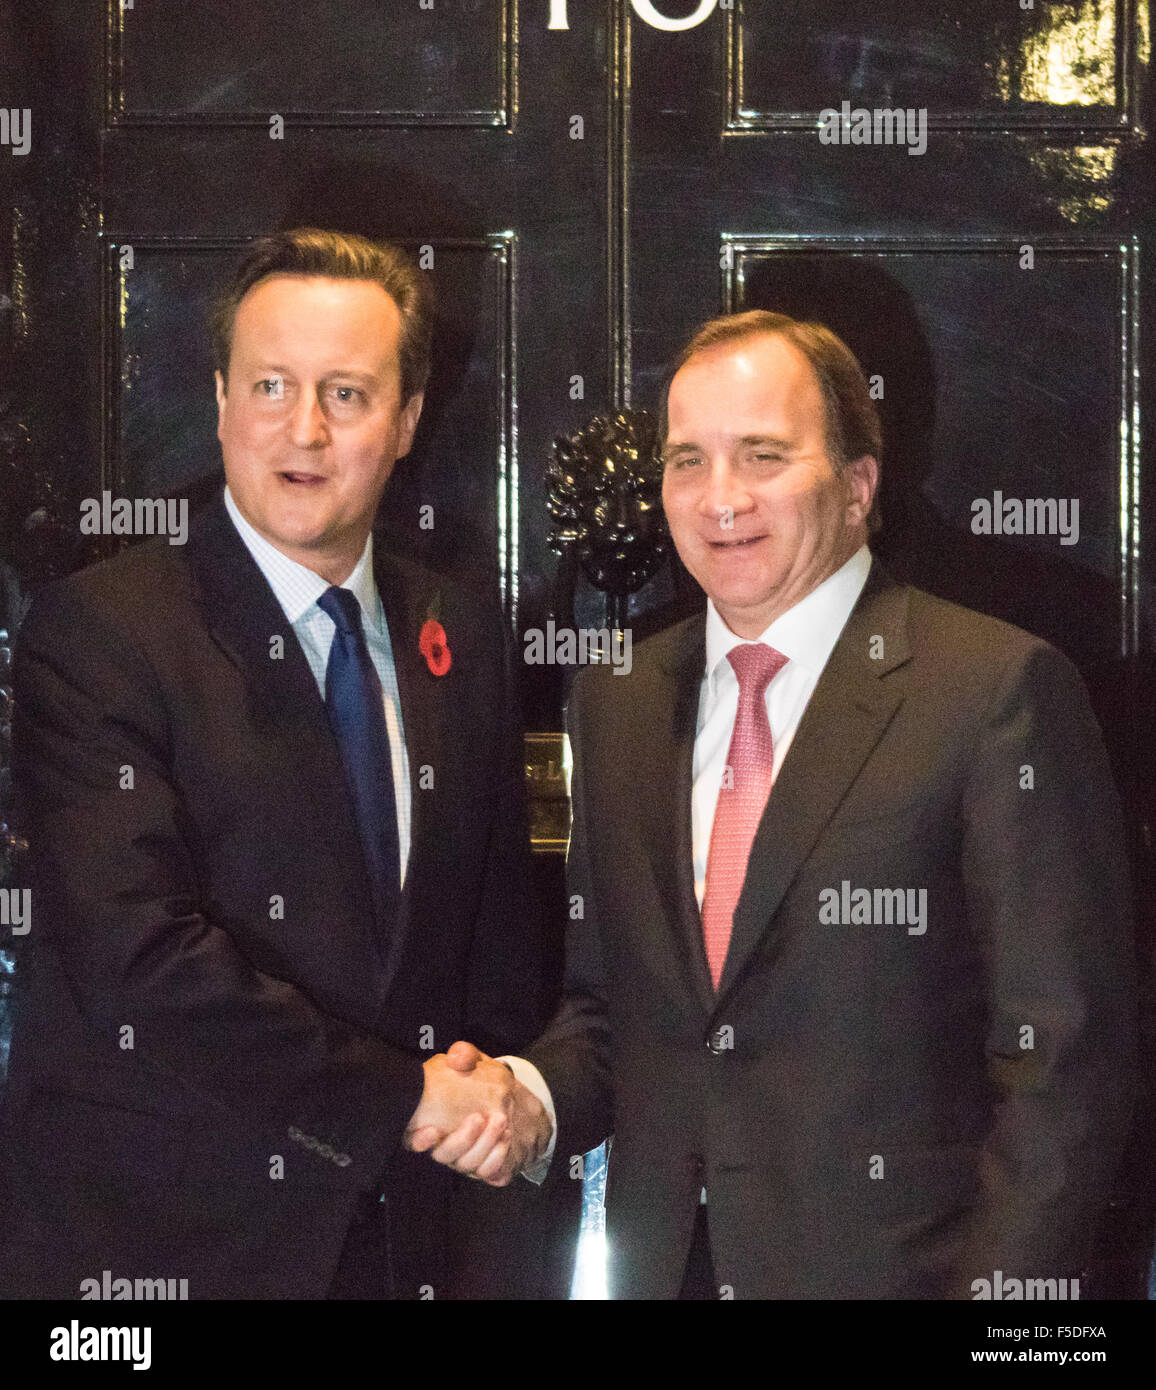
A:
{"x": 742, "y": 798}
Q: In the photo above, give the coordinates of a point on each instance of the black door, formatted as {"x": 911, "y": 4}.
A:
{"x": 587, "y": 181}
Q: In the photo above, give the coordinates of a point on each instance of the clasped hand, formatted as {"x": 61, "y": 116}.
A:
{"x": 477, "y": 1118}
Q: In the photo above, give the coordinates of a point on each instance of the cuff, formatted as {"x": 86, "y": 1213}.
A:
{"x": 530, "y": 1077}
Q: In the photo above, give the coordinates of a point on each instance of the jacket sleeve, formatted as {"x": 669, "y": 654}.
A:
{"x": 115, "y": 888}
{"x": 1048, "y": 895}
{"x": 574, "y": 1053}
{"x": 507, "y": 1002}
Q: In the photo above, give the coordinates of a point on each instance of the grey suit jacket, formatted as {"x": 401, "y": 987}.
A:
{"x": 875, "y": 1111}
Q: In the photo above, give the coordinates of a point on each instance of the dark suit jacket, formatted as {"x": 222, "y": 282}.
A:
{"x": 877, "y": 1123}
{"x": 204, "y": 992}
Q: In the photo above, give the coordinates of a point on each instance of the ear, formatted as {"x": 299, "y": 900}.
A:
{"x": 862, "y": 480}
{"x": 221, "y": 402}
{"x": 410, "y": 414}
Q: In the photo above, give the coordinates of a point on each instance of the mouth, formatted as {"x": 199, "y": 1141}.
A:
{"x": 299, "y": 479}
{"x": 738, "y": 543}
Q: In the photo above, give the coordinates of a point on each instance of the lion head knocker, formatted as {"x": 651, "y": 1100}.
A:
{"x": 605, "y": 503}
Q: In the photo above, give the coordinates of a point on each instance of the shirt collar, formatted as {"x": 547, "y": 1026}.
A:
{"x": 296, "y": 587}
{"x": 806, "y": 632}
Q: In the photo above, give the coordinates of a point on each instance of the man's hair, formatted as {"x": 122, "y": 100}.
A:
{"x": 852, "y": 424}
{"x": 339, "y": 256}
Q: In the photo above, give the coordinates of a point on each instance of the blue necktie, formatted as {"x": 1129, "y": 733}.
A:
{"x": 357, "y": 717}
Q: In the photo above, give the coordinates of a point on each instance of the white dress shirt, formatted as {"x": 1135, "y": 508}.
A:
{"x": 297, "y": 590}
{"x": 806, "y": 635}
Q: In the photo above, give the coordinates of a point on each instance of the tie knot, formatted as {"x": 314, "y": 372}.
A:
{"x": 342, "y": 607}
{"x": 756, "y": 665}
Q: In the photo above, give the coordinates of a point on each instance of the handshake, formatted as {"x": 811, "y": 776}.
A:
{"x": 477, "y": 1118}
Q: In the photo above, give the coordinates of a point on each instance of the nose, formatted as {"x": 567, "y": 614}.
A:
{"x": 308, "y": 427}
{"x": 723, "y": 495}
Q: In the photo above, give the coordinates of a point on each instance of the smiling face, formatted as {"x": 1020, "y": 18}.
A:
{"x": 312, "y": 422}
{"x": 756, "y": 508}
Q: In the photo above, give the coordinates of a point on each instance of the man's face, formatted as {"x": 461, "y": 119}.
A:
{"x": 755, "y": 507}
{"x": 312, "y": 422}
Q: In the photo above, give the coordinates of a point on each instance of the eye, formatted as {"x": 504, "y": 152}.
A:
{"x": 348, "y": 395}
{"x": 682, "y": 461}
{"x": 271, "y": 387}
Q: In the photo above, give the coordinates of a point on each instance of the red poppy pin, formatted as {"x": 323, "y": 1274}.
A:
{"x": 434, "y": 647}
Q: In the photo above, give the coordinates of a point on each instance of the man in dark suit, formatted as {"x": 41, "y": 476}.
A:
{"x": 868, "y": 1034}
{"x": 272, "y": 782}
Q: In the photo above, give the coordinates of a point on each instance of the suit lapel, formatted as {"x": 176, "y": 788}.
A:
{"x": 845, "y": 718}
{"x": 673, "y": 716}
{"x": 242, "y": 614}
{"x": 424, "y": 699}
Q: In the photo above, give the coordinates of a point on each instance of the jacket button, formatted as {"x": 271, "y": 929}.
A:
{"x": 697, "y": 1167}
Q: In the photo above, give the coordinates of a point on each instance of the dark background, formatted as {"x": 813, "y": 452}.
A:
{"x": 699, "y": 184}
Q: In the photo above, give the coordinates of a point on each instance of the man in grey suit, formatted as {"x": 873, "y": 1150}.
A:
{"x": 867, "y": 1032}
